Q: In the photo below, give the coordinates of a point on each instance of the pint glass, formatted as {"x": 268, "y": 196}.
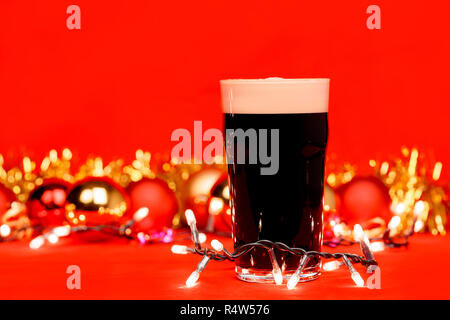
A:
{"x": 276, "y": 134}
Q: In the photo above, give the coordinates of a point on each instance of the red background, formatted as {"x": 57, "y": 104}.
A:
{"x": 137, "y": 70}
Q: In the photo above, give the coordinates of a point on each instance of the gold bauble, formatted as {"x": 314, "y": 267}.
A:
{"x": 96, "y": 201}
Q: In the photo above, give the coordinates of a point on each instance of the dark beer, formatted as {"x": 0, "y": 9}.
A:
{"x": 285, "y": 206}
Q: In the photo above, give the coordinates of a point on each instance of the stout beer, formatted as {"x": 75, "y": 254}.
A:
{"x": 286, "y": 204}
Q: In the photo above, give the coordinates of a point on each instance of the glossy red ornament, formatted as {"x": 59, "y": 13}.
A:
{"x": 363, "y": 199}
{"x": 46, "y": 203}
{"x": 160, "y": 200}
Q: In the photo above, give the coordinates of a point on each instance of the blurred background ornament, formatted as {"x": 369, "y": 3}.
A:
{"x": 193, "y": 185}
{"x": 219, "y": 211}
{"x": 14, "y": 223}
{"x": 329, "y": 199}
{"x": 363, "y": 199}
{"x": 160, "y": 200}
{"x": 7, "y": 197}
{"x": 96, "y": 201}
{"x": 401, "y": 194}
{"x": 46, "y": 203}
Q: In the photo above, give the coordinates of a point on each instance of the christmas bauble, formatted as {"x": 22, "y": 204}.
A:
{"x": 329, "y": 199}
{"x": 197, "y": 191}
{"x": 6, "y": 198}
{"x": 218, "y": 206}
{"x": 46, "y": 203}
{"x": 15, "y": 221}
{"x": 96, "y": 201}
{"x": 160, "y": 200}
{"x": 362, "y": 200}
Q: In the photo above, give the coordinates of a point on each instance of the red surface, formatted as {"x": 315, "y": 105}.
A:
{"x": 139, "y": 69}
{"x": 126, "y": 271}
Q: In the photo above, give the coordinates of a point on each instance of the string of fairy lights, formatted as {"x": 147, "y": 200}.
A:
{"x": 53, "y": 235}
{"x": 219, "y": 253}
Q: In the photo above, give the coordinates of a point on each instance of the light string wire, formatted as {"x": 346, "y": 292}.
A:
{"x": 219, "y": 253}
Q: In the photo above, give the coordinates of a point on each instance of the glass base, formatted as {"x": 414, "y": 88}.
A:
{"x": 265, "y": 276}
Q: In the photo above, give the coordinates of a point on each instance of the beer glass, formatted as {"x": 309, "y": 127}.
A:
{"x": 276, "y": 134}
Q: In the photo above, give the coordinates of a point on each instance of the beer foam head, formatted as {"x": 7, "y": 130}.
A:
{"x": 275, "y": 95}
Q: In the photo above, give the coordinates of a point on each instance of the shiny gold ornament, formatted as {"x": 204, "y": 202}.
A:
{"x": 96, "y": 201}
{"x": 329, "y": 199}
{"x": 192, "y": 183}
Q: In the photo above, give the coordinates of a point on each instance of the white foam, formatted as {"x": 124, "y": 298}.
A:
{"x": 275, "y": 95}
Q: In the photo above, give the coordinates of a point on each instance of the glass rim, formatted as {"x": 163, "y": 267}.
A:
{"x": 274, "y": 80}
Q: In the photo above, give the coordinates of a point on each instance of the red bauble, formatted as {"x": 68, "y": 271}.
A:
{"x": 6, "y": 198}
{"x": 363, "y": 199}
{"x": 160, "y": 200}
{"x": 46, "y": 203}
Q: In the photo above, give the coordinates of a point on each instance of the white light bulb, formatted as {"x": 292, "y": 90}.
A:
{"x": 358, "y": 232}
{"x": 418, "y": 226}
{"x": 179, "y": 249}
{"x": 190, "y": 217}
{"x": 292, "y": 283}
{"x": 217, "y": 245}
{"x": 62, "y": 231}
{"x": 140, "y": 214}
{"x": 37, "y": 242}
{"x": 201, "y": 237}
{"x": 332, "y": 265}
{"x": 394, "y": 223}
{"x": 216, "y": 205}
{"x": 192, "y": 280}
{"x": 5, "y": 230}
{"x": 276, "y": 271}
{"x": 377, "y": 246}
{"x": 277, "y": 276}
{"x": 52, "y": 238}
{"x": 357, "y": 279}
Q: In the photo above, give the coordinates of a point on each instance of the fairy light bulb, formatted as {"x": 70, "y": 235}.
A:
{"x": 61, "y": 231}
{"x": 393, "y": 224}
{"x": 377, "y": 246}
{"x": 190, "y": 218}
{"x": 140, "y": 214}
{"x": 179, "y": 249}
{"x": 364, "y": 243}
{"x": 356, "y": 277}
{"x": 217, "y": 245}
{"x": 358, "y": 232}
{"x": 202, "y": 237}
{"x": 5, "y": 230}
{"x": 332, "y": 265}
{"x": 193, "y": 278}
{"x": 52, "y": 238}
{"x": 295, "y": 278}
{"x": 276, "y": 271}
{"x": 37, "y": 242}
